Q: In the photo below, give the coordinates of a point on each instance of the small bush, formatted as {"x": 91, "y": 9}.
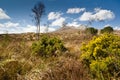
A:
{"x": 101, "y": 55}
{"x": 48, "y": 47}
{"x": 108, "y": 29}
{"x": 91, "y": 30}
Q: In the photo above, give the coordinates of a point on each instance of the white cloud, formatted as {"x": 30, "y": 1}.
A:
{"x": 99, "y": 15}
{"x": 117, "y": 28}
{"x": 9, "y": 24}
{"x": 104, "y": 15}
{"x": 74, "y": 24}
{"x": 3, "y": 15}
{"x": 86, "y": 16}
{"x": 107, "y": 25}
{"x": 58, "y": 22}
{"x": 57, "y": 19}
{"x": 1, "y": 25}
{"x": 28, "y": 28}
{"x": 17, "y": 28}
{"x": 54, "y": 15}
{"x": 51, "y": 29}
{"x": 31, "y": 28}
{"x": 75, "y": 10}
{"x": 9, "y": 27}
{"x": 97, "y": 9}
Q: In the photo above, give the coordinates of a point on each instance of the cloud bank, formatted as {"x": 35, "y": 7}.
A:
{"x": 12, "y": 27}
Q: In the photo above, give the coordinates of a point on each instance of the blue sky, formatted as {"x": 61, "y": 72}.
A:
{"x": 15, "y": 14}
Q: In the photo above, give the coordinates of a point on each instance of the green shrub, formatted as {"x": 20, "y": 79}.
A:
{"x": 91, "y": 30}
{"x": 102, "y": 56}
{"x": 108, "y": 29}
{"x": 48, "y": 47}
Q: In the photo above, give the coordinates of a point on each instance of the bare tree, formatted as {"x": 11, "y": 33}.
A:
{"x": 38, "y": 11}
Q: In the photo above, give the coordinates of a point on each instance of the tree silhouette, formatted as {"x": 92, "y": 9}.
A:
{"x": 38, "y": 11}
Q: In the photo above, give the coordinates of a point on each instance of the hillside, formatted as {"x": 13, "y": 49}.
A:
{"x": 18, "y": 63}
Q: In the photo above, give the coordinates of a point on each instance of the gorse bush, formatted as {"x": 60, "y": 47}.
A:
{"x": 91, "y": 30}
{"x": 108, "y": 29}
{"x": 48, "y": 46}
{"x": 102, "y": 56}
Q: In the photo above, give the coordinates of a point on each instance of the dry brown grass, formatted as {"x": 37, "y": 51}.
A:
{"x": 65, "y": 67}
{"x": 61, "y": 69}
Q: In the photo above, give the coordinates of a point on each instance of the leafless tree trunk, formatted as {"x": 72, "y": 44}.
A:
{"x": 38, "y": 11}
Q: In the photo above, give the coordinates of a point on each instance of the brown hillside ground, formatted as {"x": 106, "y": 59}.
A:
{"x": 18, "y": 63}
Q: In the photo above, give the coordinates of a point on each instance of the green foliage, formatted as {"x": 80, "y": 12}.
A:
{"x": 91, "y": 30}
{"x": 108, "y": 29}
{"x": 48, "y": 47}
{"x": 101, "y": 55}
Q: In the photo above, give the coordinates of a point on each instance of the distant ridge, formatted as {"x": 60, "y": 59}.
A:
{"x": 70, "y": 29}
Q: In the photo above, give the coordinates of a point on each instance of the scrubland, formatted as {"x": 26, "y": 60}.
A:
{"x": 20, "y": 59}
